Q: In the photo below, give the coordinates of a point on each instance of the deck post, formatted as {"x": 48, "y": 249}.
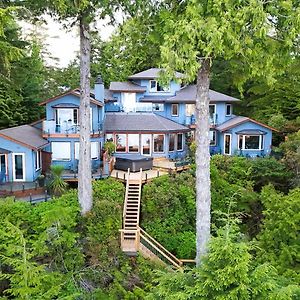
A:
{"x": 23, "y": 187}
{"x": 124, "y": 177}
{"x": 35, "y": 186}
{"x": 45, "y": 195}
{"x": 117, "y": 175}
{"x": 30, "y": 197}
{"x": 158, "y": 173}
{"x": 146, "y": 176}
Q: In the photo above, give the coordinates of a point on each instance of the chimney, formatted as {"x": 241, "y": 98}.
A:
{"x": 99, "y": 89}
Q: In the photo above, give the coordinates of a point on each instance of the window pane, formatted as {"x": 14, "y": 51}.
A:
{"x": 61, "y": 150}
{"x": 158, "y": 142}
{"x": 251, "y": 142}
{"x": 189, "y": 109}
{"x": 172, "y": 142}
{"x": 19, "y": 167}
{"x": 146, "y": 144}
{"x": 179, "y": 141}
{"x": 228, "y": 109}
{"x": 94, "y": 150}
{"x": 133, "y": 142}
{"x": 212, "y": 110}
{"x": 240, "y": 142}
{"x": 109, "y": 137}
{"x": 227, "y": 149}
{"x": 121, "y": 142}
{"x": 212, "y": 135}
{"x": 174, "y": 109}
{"x": 128, "y": 102}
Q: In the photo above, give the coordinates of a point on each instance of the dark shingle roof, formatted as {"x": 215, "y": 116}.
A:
{"x": 119, "y": 86}
{"x": 26, "y": 135}
{"x": 108, "y": 95}
{"x": 188, "y": 94}
{"x": 151, "y": 74}
{"x": 140, "y": 122}
{"x": 155, "y": 99}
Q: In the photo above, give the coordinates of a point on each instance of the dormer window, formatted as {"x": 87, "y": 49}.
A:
{"x": 228, "y": 110}
{"x": 156, "y": 87}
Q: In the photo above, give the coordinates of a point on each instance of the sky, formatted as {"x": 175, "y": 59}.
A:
{"x": 61, "y": 43}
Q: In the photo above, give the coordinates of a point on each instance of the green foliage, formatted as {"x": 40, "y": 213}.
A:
{"x": 227, "y": 272}
{"x": 278, "y": 240}
{"x": 291, "y": 152}
{"x": 110, "y": 148}
{"x": 56, "y": 184}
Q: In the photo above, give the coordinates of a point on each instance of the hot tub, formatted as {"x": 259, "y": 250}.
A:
{"x": 134, "y": 162}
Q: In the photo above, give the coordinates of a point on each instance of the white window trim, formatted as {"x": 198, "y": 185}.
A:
{"x": 215, "y": 143}
{"x": 228, "y": 104}
{"x": 261, "y": 142}
{"x": 230, "y": 150}
{"x": 181, "y": 142}
{"x": 24, "y": 166}
{"x": 6, "y": 163}
{"x": 55, "y": 159}
{"x": 138, "y": 143}
{"x": 150, "y": 146}
{"x": 177, "y": 109}
{"x": 58, "y": 117}
{"x": 38, "y": 160}
{"x": 152, "y": 90}
{"x": 153, "y": 143}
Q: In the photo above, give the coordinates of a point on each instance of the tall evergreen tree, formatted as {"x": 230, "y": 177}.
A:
{"x": 260, "y": 34}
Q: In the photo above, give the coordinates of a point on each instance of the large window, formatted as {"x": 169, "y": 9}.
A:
{"x": 67, "y": 116}
{"x": 172, "y": 137}
{"x": 156, "y": 87}
{"x": 189, "y": 110}
{"x": 158, "y": 143}
{"x": 120, "y": 142}
{"x": 158, "y": 107}
{"x": 251, "y": 142}
{"x": 94, "y": 150}
{"x": 129, "y": 102}
{"x": 179, "y": 141}
{"x": 133, "y": 142}
{"x": 146, "y": 144}
{"x": 212, "y": 136}
{"x": 174, "y": 109}
{"x": 61, "y": 150}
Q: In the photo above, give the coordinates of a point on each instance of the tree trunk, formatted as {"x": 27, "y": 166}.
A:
{"x": 84, "y": 174}
{"x": 203, "y": 197}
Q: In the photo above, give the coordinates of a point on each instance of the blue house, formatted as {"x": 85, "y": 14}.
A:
{"x": 140, "y": 116}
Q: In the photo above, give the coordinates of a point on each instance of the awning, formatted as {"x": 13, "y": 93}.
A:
{"x": 4, "y": 151}
{"x": 251, "y": 132}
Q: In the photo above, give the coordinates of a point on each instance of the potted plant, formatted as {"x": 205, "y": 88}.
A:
{"x": 57, "y": 185}
{"x": 41, "y": 180}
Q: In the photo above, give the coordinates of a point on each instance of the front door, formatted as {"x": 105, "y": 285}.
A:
{"x": 18, "y": 166}
{"x": 2, "y": 167}
{"x": 227, "y": 144}
{"x": 146, "y": 144}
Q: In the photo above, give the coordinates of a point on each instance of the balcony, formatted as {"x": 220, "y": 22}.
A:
{"x": 50, "y": 128}
{"x": 191, "y": 120}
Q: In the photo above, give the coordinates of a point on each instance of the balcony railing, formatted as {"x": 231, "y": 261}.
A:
{"x": 50, "y": 127}
{"x": 191, "y": 120}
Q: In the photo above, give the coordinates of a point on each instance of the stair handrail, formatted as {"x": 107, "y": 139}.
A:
{"x": 161, "y": 249}
{"x": 126, "y": 196}
{"x": 140, "y": 195}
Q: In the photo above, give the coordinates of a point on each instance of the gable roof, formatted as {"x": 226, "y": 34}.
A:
{"x": 141, "y": 122}
{"x": 25, "y": 135}
{"x": 240, "y": 120}
{"x": 126, "y": 86}
{"x": 152, "y": 74}
{"x": 74, "y": 92}
{"x": 188, "y": 94}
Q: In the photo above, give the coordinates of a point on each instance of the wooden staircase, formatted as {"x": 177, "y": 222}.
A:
{"x": 133, "y": 238}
